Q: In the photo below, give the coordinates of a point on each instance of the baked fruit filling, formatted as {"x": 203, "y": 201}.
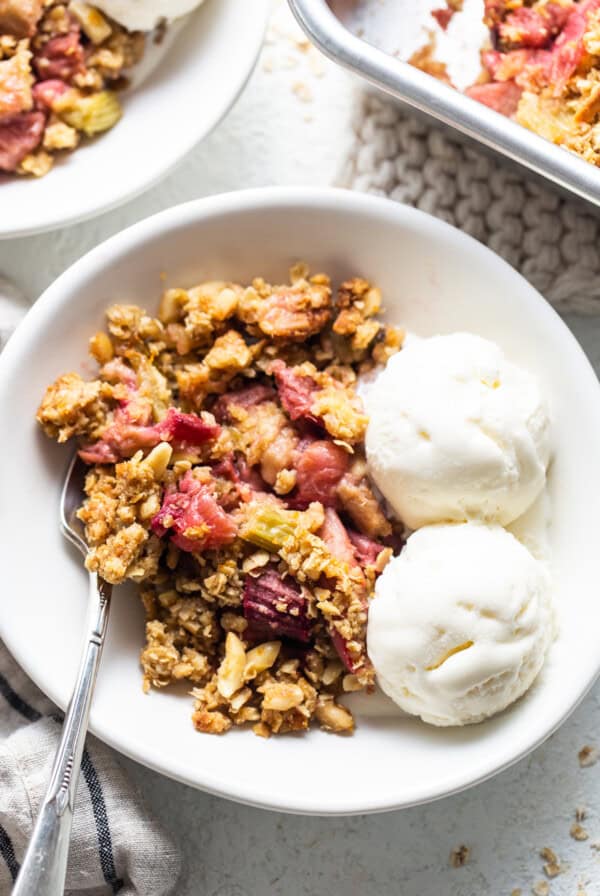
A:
{"x": 541, "y": 68}
{"x": 227, "y": 478}
{"x": 61, "y": 67}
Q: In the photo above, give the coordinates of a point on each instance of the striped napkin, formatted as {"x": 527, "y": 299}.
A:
{"x": 116, "y": 846}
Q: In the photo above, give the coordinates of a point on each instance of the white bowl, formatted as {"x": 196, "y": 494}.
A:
{"x": 434, "y": 280}
{"x": 189, "y": 84}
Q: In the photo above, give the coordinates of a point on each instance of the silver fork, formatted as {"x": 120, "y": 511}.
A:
{"x": 44, "y": 867}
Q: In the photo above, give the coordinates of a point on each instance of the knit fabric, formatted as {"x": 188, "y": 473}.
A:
{"x": 551, "y": 240}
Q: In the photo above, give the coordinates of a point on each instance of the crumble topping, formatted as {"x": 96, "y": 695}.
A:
{"x": 552, "y": 865}
{"x": 578, "y": 832}
{"x": 227, "y": 477}
{"x": 541, "y": 67}
{"x": 588, "y": 756}
{"x": 459, "y": 856}
{"x": 541, "y": 888}
{"x": 61, "y": 66}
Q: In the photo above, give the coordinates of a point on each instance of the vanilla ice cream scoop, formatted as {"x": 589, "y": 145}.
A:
{"x": 460, "y": 623}
{"x": 456, "y": 432}
{"x": 144, "y": 15}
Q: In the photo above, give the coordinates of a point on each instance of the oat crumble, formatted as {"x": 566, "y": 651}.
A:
{"x": 588, "y": 756}
{"x": 61, "y": 66}
{"x": 227, "y": 477}
{"x": 541, "y": 67}
{"x": 459, "y": 856}
{"x": 552, "y": 865}
{"x": 578, "y": 832}
{"x": 541, "y": 888}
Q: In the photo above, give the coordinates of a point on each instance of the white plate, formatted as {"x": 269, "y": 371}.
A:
{"x": 188, "y": 86}
{"x": 434, "y": 279}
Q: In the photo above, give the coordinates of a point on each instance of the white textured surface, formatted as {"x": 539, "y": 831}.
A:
{"x": 232, "y": 850}
{"x": 236, "y": 851}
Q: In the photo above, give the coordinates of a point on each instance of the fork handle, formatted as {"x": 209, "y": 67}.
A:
{"x": 44, "y": 866}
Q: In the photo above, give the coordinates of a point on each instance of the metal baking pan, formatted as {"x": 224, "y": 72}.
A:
{"x": 373, "y": 55}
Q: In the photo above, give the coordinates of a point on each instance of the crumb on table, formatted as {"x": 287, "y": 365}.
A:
{"x": 459, "y": 856}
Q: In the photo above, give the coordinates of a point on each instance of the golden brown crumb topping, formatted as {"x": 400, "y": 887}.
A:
{"x": 225, "y": 443}
{"x": 541, "y": 67}
{"x": 61, "y": 67}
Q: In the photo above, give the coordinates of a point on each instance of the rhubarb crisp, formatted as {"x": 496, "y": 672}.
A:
{"x": 61, "y": 65}
{"x": 541, "y": 68}
{"x": 227, "y": 478}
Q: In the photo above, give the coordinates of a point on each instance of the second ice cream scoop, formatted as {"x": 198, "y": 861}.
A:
{"x": 460, "y": 623}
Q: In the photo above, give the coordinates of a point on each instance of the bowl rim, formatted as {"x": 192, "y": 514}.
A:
{"x": 164, "y": 167}
{"x": 278, "y": 198}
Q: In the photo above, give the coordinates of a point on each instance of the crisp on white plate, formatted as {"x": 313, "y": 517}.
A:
{"x": 180, "y": 92}
{"x": 434, "y": 280}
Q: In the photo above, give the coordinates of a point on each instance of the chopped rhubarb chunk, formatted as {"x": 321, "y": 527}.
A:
{"x": 337, "y": 538}
{"x": 61, "y": 57}
{"x": 531, "y": 28}
{"x": 334, "y": 534}
{"x": 502, "y": 97}
{"x": 365, "y": 549}
{"x": 319, "y": 468}
{"x": 269, "y": 526}
{"x": 492, "y": 60}
{"x": 18, "y": 137}
{"x": 247, "y": 482}
{"x": 193, "y": 517}
{"x": 533, "y": 65}
{"x": 227, "y": 470}
{"x": 231, "y": 498}
{"x": 296, "y": 392}
{"x": 45, "y": 93}
{"x": 117, "y": 371}
{"x": 122, "y": 438}
{"x": 245, "y": 398}
{"x": 443, "y": 16}
{"x": 275, "y": 608}
{"x": 249, "y": 476}
{"x": 341, "y": 646}
{"x": 186, "y": 430}
{"x": 568, "y": 49}
{"x": 557, "y": 13}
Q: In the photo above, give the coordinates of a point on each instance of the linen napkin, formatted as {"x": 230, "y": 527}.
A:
{"x": 553, "y": 241}
{"x": 116, "y": 845}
